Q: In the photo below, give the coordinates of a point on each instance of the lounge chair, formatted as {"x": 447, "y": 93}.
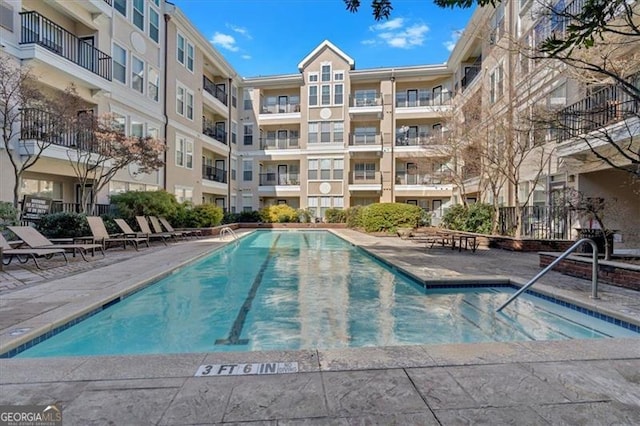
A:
{"x": 24, "y": 254}
{"x": 34, "y": 239}
{"x": 157, "y": 228}
{"x": 126, "y": 229}
{"x": 101, "y": 235}
{"x": 189, "y": 232}
{"x": 145, "y": 229}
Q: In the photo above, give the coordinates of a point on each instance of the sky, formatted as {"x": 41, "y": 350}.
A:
{"x": 270, "y": 37}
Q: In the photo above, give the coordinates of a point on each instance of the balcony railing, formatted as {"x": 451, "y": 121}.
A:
{"x": 420, "y": 140}
{"x": 419, "y": 177}
{"x": 363, "y": 101}
{"x": 36, "y": 29}
{"x": 605, "y": 107}
{"x": 365, "y": 177}
{"x": 280, "y": 109}
{"x": 211, "y": 130}
{"x": 45, "y": 127}
{"x": 365, "y": 139}
{"x": 108, "y": 2}
{"x": 214, "y": 90}
{"x": 285, "y": 179}
{"x": 424, "y": 101}
{"x": 214, "y": 174}
{"x": 279, "y": 143}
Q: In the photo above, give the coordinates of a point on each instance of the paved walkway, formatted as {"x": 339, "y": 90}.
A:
{"x": 562, "y": 382}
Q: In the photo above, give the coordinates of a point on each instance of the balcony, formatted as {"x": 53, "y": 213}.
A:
{"x": 365, "y": 139}
{"x": 38, "y": 30}
{"x": 215, "y": 90}
{"x": 423, "y": 101}
{"x": 365, "y": 104}
{"x": 420, "y": 140}
{"x": 47, "y": 129}
{"x": 214, "y": 174}
{"x": 280, "y": 109}
{"x": 213, "y": 131}
{"x": 279, "y": 179}
{"x": 606, "y": 107}
{"x": 365, "y": 177}
{"x": 279, "y": 143}
{"x": 418, "y": 177}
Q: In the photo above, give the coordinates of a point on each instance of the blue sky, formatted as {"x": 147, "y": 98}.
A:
{"x": 267, "y": 37}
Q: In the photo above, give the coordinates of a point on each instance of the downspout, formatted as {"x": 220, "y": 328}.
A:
{"x": 229, "y": 145}
{"x": 393, "y": 136}
{"x": 167, "y": 18}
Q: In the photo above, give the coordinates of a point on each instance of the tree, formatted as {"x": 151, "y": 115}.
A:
{"x": 28, "y": 119}
{"x": 102, "y": 150}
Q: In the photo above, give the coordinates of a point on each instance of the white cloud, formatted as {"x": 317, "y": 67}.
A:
{"x": 240, "y": 30}
{"x": 451, "y": 43}
{"x": 395, "y": 33}
{"x": 246, "y": 57}
{"x": 225, "y": 41}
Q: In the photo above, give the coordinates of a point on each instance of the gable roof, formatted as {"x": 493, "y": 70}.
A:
{"x": 326, "y": 44}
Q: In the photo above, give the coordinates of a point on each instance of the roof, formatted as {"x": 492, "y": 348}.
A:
{"x": 324, "y": 45}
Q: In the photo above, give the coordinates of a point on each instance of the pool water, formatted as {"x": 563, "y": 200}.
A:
{"x": 278, "y": 290}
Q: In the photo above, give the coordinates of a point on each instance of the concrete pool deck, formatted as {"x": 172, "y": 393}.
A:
{"x": 560, "y": 382}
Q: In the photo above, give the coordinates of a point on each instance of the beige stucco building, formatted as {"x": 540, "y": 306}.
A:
{"x": 329, "y": 135}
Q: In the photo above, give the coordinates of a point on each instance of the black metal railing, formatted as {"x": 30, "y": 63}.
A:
{"x": 99, "y": 209}
{"x": 214, "y": 90}
{"x": 609, "y": 105}
{"x": 36, "y": 29}
{"x": 540, "y": 222}
{"x": 210, "y": 129}
{"x": 109, "y": 2}
{"x": 365, "y": 100}
{"x": 286, "y": 179}
{"x": 279, "y": 143}
{"x": 280, "y": 108}
{"x": 43, "y": 126}
{"x": 214, "y": 174}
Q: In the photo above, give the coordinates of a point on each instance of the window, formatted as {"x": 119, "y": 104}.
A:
{"x": 119, "y": 64}
{"x": 120, "y": 6}
{"x": 313, "y": 77}
{"x": 234, "y": 131}
{"x": 248, "y": 134}
{"x": 325, "y": 131}
{"x": 326, "y": 73}
{"x": 137, "y": 74}
{"x": 496, "y": 83}
{"x": 338, "y": 168}
{"x": 180, "y": 100}
{"x": 313, "y": 132}
{"x": 326, "y": 94}
{"x": 497, "y": 24}
{"x": 338, "y": 96}
{"x": 180, "y": 49}
{"x": 338, "y": 76}
{"x": 234, "y": 167}
{"x": 190, "y": 56}
{"x": 364, "y": 171}
{"x": 154, "y": 83}
{"x": 313, "y": 95}
{"x": 188, "y": 163}
{"x": 121, "y": 122}
{"x": 246, "y": 99}
{"x": 138, "y": 14}
{"x": 247, "y": 203}
{"x": 154, "y": 25}
{"x": 180, "y": 147}
{"x": 153, "y": 132}
{"x": 42, "y": 188}
{"x": 247, "y": 170}
{"x": 184, "y": 152}
{"x": 313, "y": 169}
{"x": 234, "y": 96}
{"x": 325, "y": 169}
{"x": 338, "y": 131}
{"x": 189, "y": 104}
{"x": 137, "y": 129}
{"x": 183, "y": 193}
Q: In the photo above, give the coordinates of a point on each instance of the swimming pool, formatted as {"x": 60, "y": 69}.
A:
{"x": 279, "y": 290}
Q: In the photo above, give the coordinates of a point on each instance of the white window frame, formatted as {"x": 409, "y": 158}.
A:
{"x": 152, "y": 11}
{"x": 335, "y": 94}
{"x": 142, "y": 83}
{"x": 135, "y": 10}
{"x": 113, "y": 55}
{"x": 189, "y": 104}
{"x": 338, "y": 75}
{"x": 180, "y": 99}
{"x": 126, "y": 7}
{"x": 190, "y": 58}
{"x": 314, "y": 77}
{"x": 316, "y": 95}
{"x": 325, "y": 64}
{"x": 150, "y": 71}
{"x": 325, "y": 101}
{"x": 179, "y": 37}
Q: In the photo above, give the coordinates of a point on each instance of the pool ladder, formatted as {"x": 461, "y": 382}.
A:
{"x": 594, "y": 271}
{"x": 227, "y": 231}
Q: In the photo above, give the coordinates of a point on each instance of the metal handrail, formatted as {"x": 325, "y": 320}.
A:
{"x": 594, "y": 271}
{"x": 227, "y": 230}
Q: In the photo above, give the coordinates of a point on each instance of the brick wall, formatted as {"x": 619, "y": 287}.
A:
{"x": 527, "y": 245}
{"x": 615, "y": 273}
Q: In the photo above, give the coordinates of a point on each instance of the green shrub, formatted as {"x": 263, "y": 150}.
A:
{"x": 425, "y": 218}
{"x": 8, "y": 215}
{"x": 63, "y": 225}
{"x": 335, "y": 216}
{"x": 388, "y": 217}
{"x": 475, "y": 218}
{"x": 279, "y": 213}
{"x": 140, "y": 203}
{"x": 304, "y": 216}
{"x": 205, "y": 215}
{"x": 354, "y": 217}
{"x": 242, "y": 217}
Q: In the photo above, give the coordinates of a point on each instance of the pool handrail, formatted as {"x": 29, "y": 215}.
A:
{"x": 227, "y": 230}
{"x": 594, "y": 271}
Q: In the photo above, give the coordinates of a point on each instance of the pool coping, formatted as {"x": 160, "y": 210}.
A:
{"x": 10, "y": 343}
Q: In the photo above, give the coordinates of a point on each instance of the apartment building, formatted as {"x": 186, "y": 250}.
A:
{"x": 110, "y": 52}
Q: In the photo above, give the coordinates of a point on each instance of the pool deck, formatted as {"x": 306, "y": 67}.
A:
{"x": 586, "y": 382}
